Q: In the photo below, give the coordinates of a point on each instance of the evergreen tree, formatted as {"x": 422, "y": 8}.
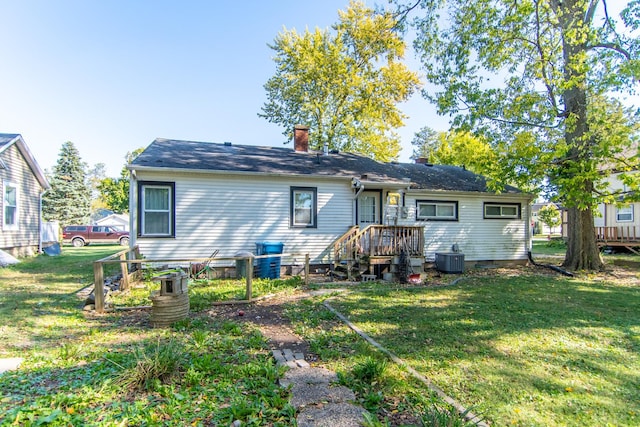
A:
{"x": 68, "y": 200}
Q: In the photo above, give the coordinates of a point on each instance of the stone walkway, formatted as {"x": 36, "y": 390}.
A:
{"x": 315, "y": 394}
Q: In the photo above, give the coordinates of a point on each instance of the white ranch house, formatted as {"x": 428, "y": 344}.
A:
{"x": 189, "y": 199}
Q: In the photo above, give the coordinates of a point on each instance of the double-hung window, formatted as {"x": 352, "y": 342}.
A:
{"x": 436, "y": 210}
{"x": 304, "y": 202}
{"x": 624, "y": 213}
{"x": 9, "y": 206}
{"x": 156, "y": 203}
{"x": 502, "y": 210}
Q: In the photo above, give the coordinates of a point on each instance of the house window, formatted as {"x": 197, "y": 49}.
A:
{"x": 502, "y": 210}
{"x": 304, "y": 202}
{"x": 9, "y": 206}
{"x": 434, "y": 210}
{"x": 624, "y": 214}
{"x": 156, "y": 207}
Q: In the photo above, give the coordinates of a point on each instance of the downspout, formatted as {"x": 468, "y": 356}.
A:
{"x": 528, "y": 236}
{"x": 40, "y": 219}
{"x": 552, "y": 267}
{"x": 133, "y": 224}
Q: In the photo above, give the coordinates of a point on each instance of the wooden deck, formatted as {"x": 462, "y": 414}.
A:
{"x": 626, "y": 236}
{"x": 376, "y": 245}
{"x": 376, "y": 241}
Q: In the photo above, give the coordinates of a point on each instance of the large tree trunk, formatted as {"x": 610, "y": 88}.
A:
{"x": 582, "y": 250}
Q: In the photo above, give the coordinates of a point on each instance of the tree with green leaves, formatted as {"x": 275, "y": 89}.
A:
{"x": 537, "y": 79}
{"x": 114, "y": 192}
{"x": 344, "y": 84}
{"x": 549, "y": 215}
{"x": 457, "y": 148}
{"x": 68, "y": 200}
{"x": 425, "y": 142}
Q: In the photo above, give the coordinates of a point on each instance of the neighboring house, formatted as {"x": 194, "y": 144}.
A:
{"x": 191, "y": 198}
{"x": 618, "y": 224}
{"x": 23, "y": 184}
{"x": 119, "y": 221}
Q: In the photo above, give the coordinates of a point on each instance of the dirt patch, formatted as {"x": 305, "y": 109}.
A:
{"x": 268, "y": 316}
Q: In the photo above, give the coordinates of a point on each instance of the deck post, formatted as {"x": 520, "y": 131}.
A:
{"x": 98, "y": 286}
{"x": 249, "y": 292}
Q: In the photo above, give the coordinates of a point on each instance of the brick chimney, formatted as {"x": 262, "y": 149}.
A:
{"x": 301, "y": 138}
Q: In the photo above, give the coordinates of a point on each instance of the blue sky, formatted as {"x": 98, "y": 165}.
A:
{"x": 111, "y": 76}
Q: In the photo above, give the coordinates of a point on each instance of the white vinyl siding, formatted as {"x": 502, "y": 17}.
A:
{"x": 232, "y": 213}
{"x": 24, "y": 236}
{"x": 477, "y": 238}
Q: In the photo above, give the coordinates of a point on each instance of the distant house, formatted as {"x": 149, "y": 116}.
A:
{"x": 23, "y": 184}
{"x": 618, "y": 224}
{"x": 190, "y": 198}
{"x": 119, "y": 221}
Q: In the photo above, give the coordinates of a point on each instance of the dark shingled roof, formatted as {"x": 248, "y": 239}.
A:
{"x": 176, "y": 154}
{"x": 8, "y": 139}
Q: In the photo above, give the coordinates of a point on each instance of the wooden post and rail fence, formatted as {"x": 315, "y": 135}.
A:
{"x": 131, "y": 257}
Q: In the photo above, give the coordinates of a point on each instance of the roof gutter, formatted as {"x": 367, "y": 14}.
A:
{"x": 472, "y": 193}
{"x": 134, "y": 169}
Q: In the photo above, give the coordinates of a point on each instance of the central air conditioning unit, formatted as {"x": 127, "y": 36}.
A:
{"x": 450, "y": 262}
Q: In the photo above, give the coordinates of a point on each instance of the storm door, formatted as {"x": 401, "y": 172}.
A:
{"x": 369, "y": 208}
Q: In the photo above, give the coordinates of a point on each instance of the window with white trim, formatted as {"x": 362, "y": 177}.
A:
{"x": 9, "y": 206}
{"x": 502, "y": 210}
{"x": 304, "y": 202}
{"x": 156, "y": 207}
{"x": 436, "y": 210}
{"x": 624, "y": 213}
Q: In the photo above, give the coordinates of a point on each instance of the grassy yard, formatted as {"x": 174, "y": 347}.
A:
{"x": 517, "y": 347}
{"x": 113, "y": 370}
{"x": 527, "y": 350}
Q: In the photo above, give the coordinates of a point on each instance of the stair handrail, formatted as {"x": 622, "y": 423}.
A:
{"x": 339, "y": 245}
{"x": 352, "y": 243}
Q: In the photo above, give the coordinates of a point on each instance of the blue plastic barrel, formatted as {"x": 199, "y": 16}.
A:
{"x": 269, "y": 268}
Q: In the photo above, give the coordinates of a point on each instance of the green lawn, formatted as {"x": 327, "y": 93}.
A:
{"x": 113, "y": 370}
{"x": 516, "y": 347}
{"x": 38, "y": 306}
{"x": 524, "y": 350}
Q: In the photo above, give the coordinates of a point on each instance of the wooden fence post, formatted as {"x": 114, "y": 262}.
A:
{"x": 124, "y": 269}
{"x": 249, "y": 268}
{"x": 98, "y": 286}
{"x": 306, "y": 270}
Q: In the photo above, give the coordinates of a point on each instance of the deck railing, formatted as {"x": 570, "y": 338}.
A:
{"x": 379, "y": 240}
{"x": 620, "y": 234}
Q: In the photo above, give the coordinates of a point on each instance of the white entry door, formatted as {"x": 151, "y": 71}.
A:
{"x": 369, "y": 208}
